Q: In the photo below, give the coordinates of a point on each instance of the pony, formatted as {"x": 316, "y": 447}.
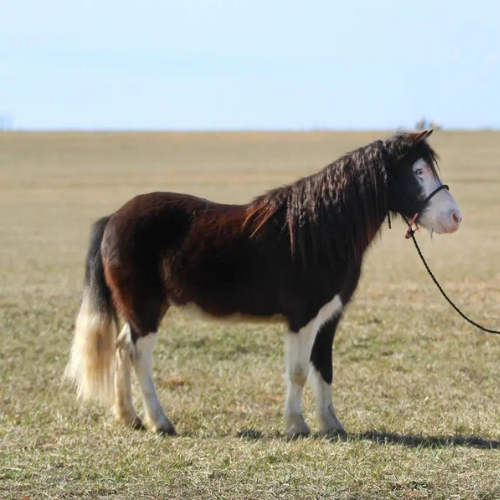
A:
{"x": 292, "y": 255}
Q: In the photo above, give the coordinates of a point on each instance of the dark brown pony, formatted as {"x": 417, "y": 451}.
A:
{"x": 293, "y": 254}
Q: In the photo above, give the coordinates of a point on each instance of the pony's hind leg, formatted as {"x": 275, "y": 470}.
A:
{"x": 142, "y": 303}
{"x": 142, "y": 359}
{"x": 124, "y": 409}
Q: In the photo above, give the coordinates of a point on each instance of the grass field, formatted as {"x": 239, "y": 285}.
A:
{"x": 416, "y": 388}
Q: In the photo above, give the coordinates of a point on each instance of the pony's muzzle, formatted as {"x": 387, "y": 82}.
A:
{"x": 450, "y": 222}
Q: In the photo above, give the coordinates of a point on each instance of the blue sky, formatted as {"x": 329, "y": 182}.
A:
{"x": 249, "y": 64}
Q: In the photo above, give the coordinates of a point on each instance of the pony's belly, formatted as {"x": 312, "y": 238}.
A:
{"x": 194, "y": 310}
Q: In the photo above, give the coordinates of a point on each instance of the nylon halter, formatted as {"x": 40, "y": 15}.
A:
{"x": 411, "y": 231}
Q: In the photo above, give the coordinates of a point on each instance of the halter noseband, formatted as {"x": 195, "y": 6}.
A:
{"x": 413, "y": 222}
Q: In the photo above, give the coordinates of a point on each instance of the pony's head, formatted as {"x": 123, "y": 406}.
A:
{"x": 414, "y": 184}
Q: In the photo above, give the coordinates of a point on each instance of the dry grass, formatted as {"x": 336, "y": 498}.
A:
{"x": 415, "y": 387}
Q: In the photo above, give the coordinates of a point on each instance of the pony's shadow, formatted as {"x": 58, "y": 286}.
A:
{"x": 419, "y": 441}
{"x": 385, "y": 438}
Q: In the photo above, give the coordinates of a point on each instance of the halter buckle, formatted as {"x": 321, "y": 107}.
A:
{"x": 412, "y": 231}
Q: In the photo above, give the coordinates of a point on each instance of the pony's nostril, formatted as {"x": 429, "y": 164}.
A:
{"x": 457, "y": 218}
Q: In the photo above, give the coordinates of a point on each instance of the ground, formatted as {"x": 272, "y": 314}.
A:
{"x": 415, "y": 386}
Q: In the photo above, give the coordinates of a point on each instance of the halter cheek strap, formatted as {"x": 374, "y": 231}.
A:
{"x": 411, "y": 231}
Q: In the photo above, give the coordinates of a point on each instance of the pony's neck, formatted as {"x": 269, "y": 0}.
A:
{"x": 335, "y": 214}
{"x": 331, "y": 216}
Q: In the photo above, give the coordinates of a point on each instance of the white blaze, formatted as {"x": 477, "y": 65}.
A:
{"x": 442, "y": 213}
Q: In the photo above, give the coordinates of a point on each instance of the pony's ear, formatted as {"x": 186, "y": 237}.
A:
{"x": 416, "y": 137}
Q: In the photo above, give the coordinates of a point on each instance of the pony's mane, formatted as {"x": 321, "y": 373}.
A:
{"x": 397, "y": 149}
{"x": 335, "y": 213}
{"x": 347, "y": 199}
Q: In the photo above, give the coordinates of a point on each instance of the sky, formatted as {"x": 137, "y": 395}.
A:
{"x": 249, "y": 64}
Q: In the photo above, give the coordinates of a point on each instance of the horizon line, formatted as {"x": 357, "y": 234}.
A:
{"x": 240, "y": 130}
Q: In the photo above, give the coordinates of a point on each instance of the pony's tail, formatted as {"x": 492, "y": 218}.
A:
{"x": 91, "y": 364}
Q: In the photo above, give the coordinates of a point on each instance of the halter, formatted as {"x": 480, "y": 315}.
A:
{"x": 413, "y": 222}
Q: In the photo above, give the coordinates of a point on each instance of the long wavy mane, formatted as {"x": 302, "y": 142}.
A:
{"x": 335, "y": 213}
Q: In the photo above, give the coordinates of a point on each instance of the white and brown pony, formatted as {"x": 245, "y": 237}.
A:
{"x": 293, "y": 254}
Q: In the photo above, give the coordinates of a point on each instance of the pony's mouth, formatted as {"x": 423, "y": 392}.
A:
{"x": 438, "y": 228}
{"x": 447, "y": 229}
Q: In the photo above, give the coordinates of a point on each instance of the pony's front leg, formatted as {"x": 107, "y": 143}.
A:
{"x": 298, "y": 346}
{"x": 321, "y": 379}
{"x": 142, "y": 359}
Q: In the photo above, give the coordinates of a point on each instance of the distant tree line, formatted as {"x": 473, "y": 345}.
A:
{"x": 423, "y": 124}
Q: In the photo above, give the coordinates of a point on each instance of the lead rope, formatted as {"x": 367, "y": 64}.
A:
{"x": 440, "y": 288}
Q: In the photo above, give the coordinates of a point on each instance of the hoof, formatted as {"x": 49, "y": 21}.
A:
{"x": 169, "y": 431}
{"x": 330, "y": 425}
{"x": 164, "y": 428}
{"x": 296, "y": 434}
{"x": 130, "y": 420}
{"x": 334, "y": 434}
{"x": 137, "y": 424}
{"x": 296, "y": 427}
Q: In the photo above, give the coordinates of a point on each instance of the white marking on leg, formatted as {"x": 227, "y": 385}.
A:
{"x": 142, "y": 360}
{"x": 298, "y": 347}
{"x": 325, "y": 411}
{"x": 124, "y": 409}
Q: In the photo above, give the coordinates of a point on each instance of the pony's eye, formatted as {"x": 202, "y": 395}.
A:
{"x": 419, "y": 171}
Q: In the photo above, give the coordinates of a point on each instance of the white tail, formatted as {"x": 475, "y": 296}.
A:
{"x": 91, "y": 365}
